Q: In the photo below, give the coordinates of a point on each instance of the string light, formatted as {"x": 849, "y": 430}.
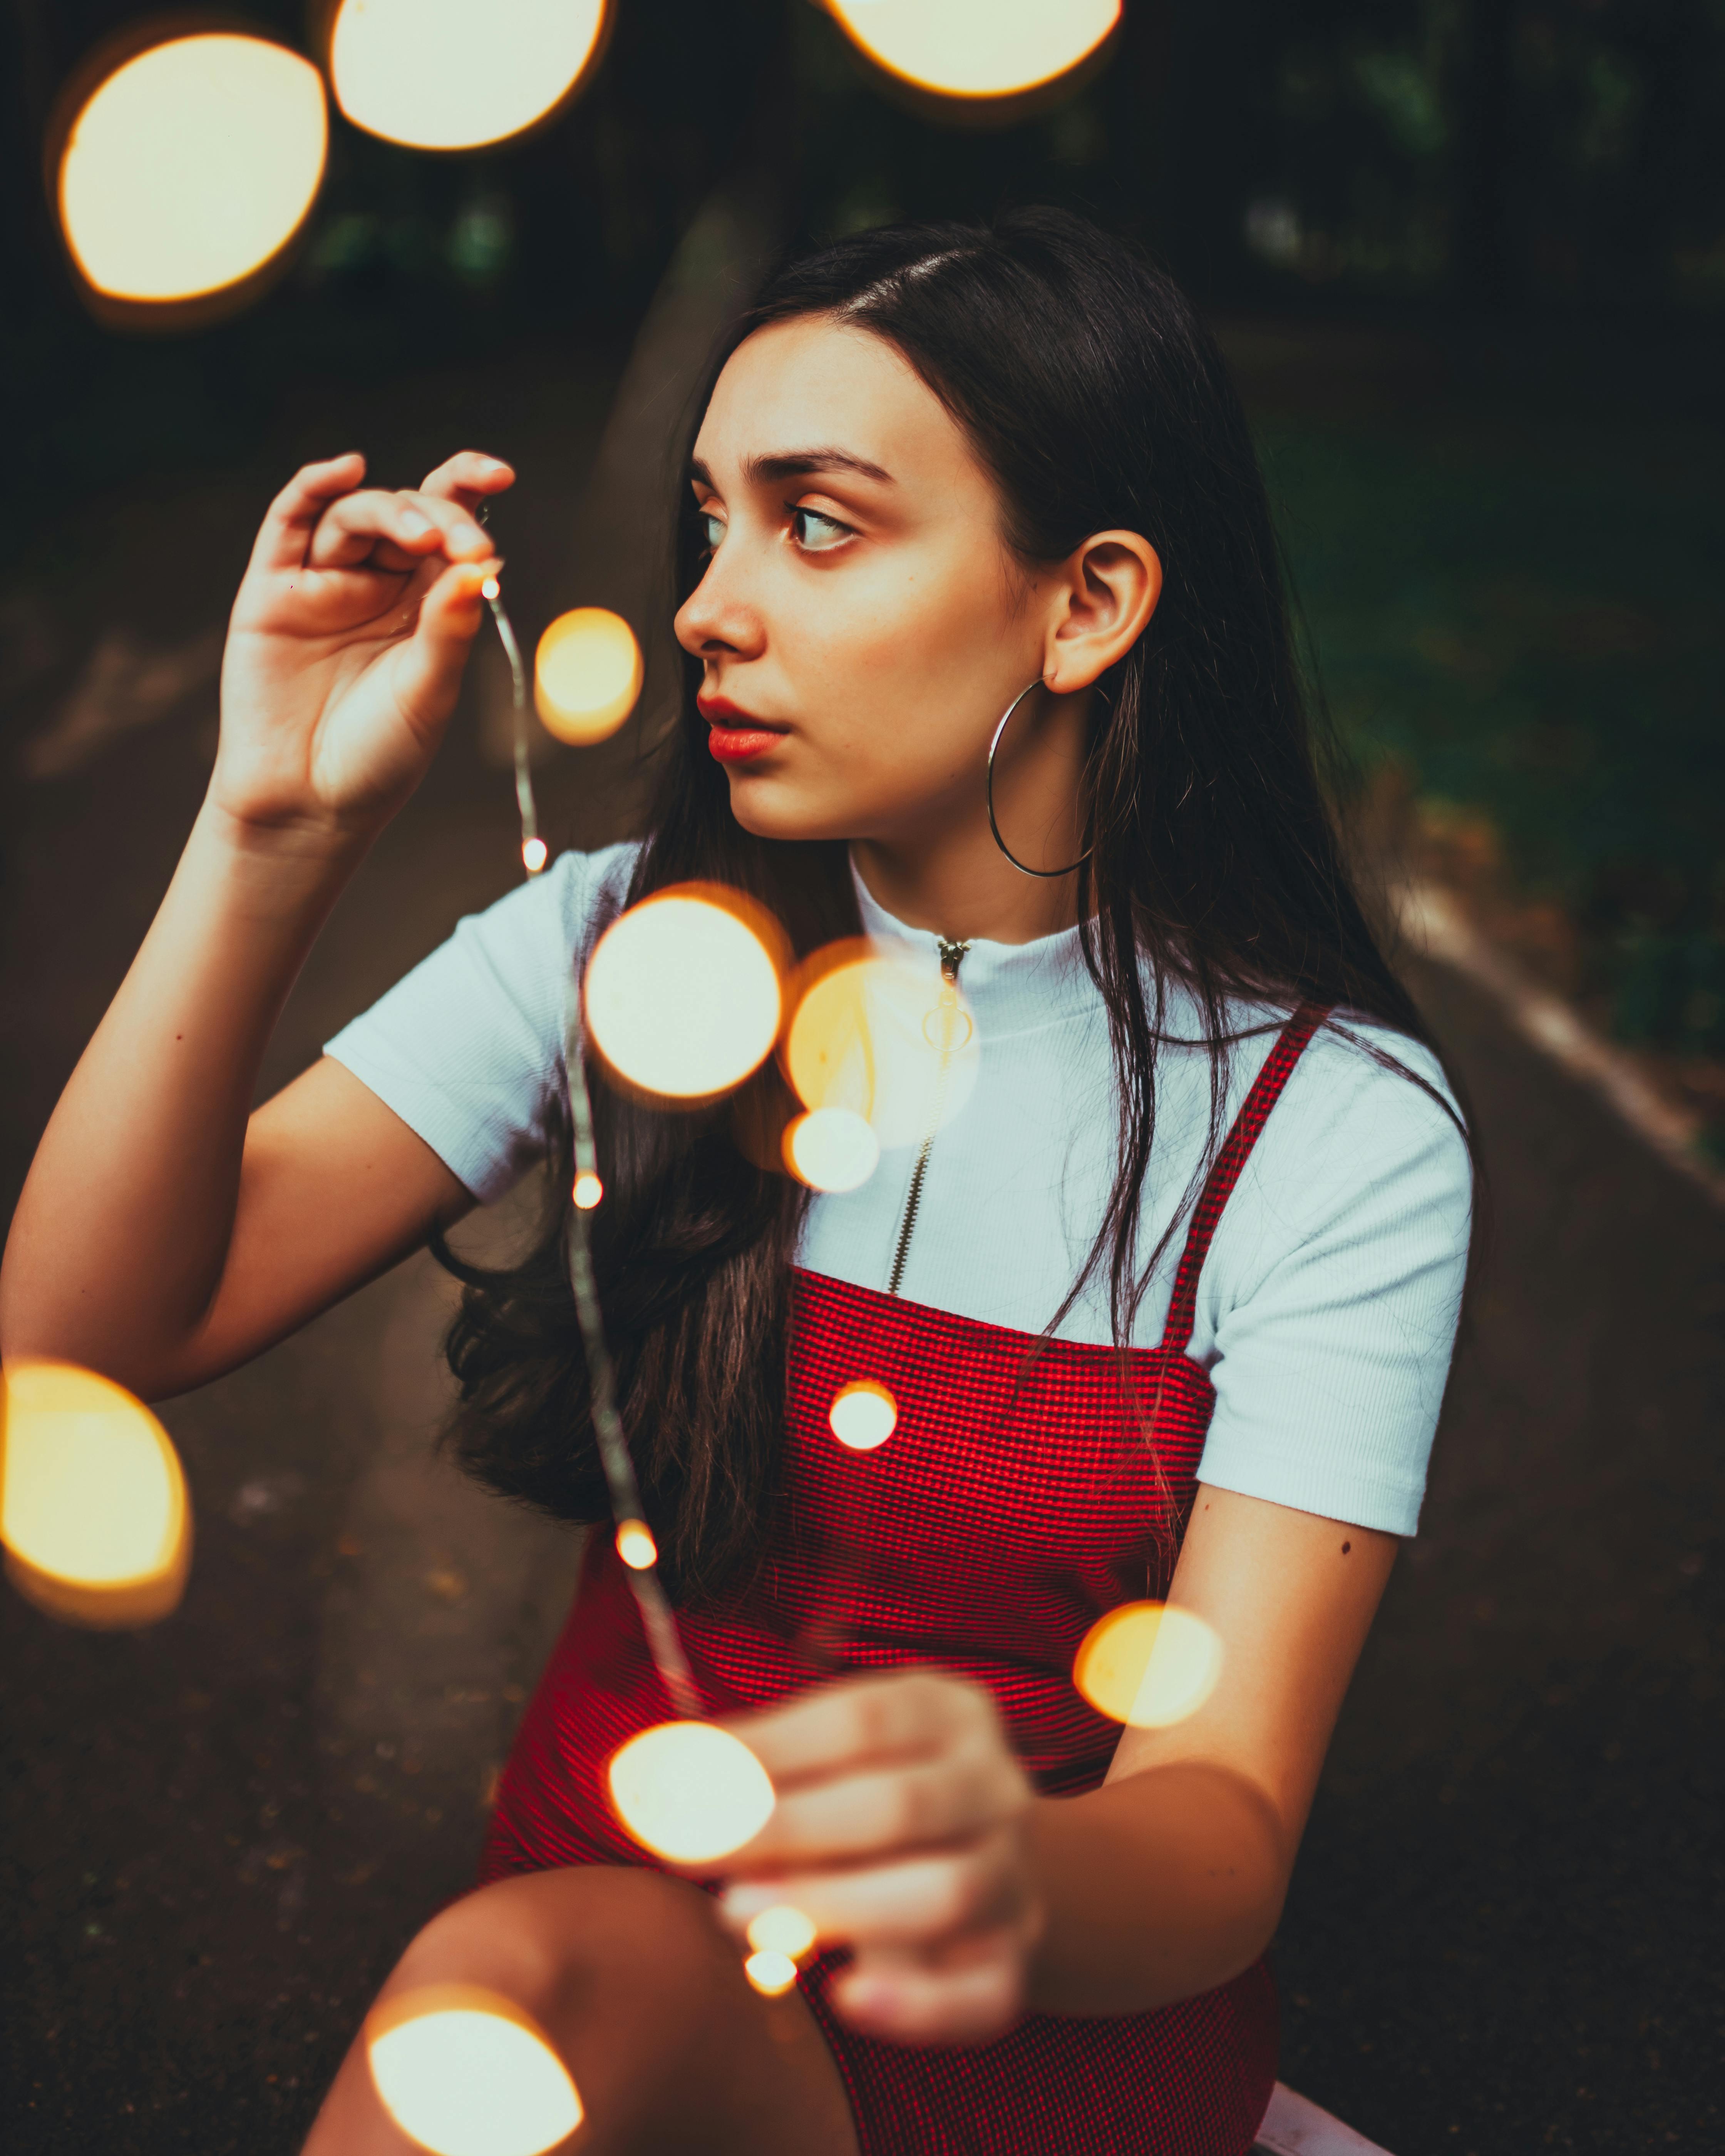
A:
{"x": 93, "y": 1507}
{"x": 441, "y": 74}
{"x": 682, "y": 995}
{"x": 191, "y": 166}
{"x": 978, "y": 48}
{"x": 1148, "y": 1664}
{"x": 832, "y": 1149}
{"x": 689, "y": 1791}
{"x": 658, "y": 1624}
{"x": 466, "y": 2072}
{"x": 635, "y": 1545}
{"x": 587, "y": 673}
{"x": 863, "y": 1415}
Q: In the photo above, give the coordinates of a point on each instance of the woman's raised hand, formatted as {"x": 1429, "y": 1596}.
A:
{"x": 347, "y": 644}
{"x": 901, "y": 1830}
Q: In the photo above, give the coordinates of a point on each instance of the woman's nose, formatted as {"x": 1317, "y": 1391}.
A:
{"x": 714, "y": 623}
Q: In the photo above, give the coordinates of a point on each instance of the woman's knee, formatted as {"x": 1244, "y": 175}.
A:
{"x": 543, "y": 1938}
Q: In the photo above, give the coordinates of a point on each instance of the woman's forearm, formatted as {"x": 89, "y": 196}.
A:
{"x": 1155, "y": 1887}
{"x": 120, "y": 1238}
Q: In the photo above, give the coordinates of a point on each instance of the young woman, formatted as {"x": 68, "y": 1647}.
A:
{"x": 1166, "y": 1305}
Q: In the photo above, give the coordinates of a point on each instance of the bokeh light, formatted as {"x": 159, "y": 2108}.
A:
{"x": 465, "y": 2072}
{"x": 682, "y": 994}
{"x": 1148, "y": 1665}
{"x": 978, "y": 48}
{"x": 192, "y": 166}
{"x": 866, "y": 1034}
{"x": 586, "y": 674}
{"x": 832, "y": 1149}
{"x": 587, "y": 1191}
{"x": 635, "y": 1545}
{"x": 92, "y": 1507}
{"x": 448, "y": 75}
{"x": 782, "y": 1930}
{"x": 534, "y": 855}
{"x": 689, "y": 1791}
{"x": 771, "y": 1972}
{"x": 863, "y": 1414}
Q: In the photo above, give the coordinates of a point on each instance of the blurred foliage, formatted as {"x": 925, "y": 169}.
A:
{"x": 1529, "y": 626}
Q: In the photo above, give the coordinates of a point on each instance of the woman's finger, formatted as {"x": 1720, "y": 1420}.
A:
{"x": 429, "y": 664}
{"x": 905, "y": 1999}
{"x": 910, "y": 1713}
{"x": 285, "y": 534}
{"x": 917, "y": 1900}
{"x": 359, "y": 527}
{"x": 467, "y": 477}
{"x": 960, "y": 1793}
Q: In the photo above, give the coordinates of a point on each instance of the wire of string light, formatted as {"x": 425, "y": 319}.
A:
{"x": 634, "y": 1541}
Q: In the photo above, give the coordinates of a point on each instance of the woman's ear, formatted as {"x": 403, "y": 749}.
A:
{"x": 1105, "y": 595}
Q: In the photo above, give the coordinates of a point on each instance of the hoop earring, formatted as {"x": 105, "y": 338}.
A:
{"x": 1023, "y": 867}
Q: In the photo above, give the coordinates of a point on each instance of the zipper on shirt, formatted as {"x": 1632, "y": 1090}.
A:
{"x": 945, "y": 1017}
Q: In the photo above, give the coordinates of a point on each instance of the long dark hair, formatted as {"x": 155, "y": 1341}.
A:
{"x": 1095, "y": 398}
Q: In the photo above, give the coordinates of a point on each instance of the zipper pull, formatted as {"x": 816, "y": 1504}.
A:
{"x": 945, "y": 1014}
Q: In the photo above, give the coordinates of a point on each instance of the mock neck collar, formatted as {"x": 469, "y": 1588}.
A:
{"x": 1011, "y": 987}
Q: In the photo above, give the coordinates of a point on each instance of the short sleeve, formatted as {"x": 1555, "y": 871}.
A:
{"x": 468, "y": 1048}
{"x": 1338, "y": 1269}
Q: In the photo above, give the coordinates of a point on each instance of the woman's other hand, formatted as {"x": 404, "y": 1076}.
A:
{"x": 901, "y": 1830}
{"x": 347, "y": 644}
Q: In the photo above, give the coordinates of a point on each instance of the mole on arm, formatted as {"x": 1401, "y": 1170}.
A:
{"x": 1346, "y": 1546}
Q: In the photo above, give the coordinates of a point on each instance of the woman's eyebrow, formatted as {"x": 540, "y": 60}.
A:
{"x": 794, "y": 463}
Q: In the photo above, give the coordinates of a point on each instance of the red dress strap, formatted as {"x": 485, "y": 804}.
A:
{"x": 1225, "y": 1173}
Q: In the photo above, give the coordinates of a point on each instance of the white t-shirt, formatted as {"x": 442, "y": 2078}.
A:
{"x": 1327, "y": 1308}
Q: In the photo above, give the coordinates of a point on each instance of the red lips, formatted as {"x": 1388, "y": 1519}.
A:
{"x": 735, "y": 736}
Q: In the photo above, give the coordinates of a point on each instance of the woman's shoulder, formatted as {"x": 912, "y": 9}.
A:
{"x": 1367, "y": 1129}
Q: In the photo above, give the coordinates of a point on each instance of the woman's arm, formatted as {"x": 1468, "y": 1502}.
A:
{"x": 1170, "y": 1878}
{"x": 163, "y": 1235}
{"x": 906, "y": 1829}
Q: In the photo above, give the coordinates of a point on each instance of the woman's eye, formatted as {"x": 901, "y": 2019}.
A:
{"x": 817, "y": 534}
{"x": 712, "y": 529}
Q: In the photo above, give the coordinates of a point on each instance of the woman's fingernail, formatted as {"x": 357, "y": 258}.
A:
{"x": 414, "y": 525}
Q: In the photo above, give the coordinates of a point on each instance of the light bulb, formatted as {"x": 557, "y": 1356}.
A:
{"x": 635, "y": 1545}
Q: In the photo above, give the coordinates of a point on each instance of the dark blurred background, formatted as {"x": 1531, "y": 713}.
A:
{"x": 1468, "y": 263}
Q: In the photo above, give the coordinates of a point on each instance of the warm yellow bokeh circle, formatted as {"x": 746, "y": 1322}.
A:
{"x": 863, "y": 1415}
{"x": 1148, "y": 1664}
{"x": 92, "y": 1507}
{"x": 689, "y": 1791}
{"x": 682, "y": 995}
{"x": 976, "y": 48}
{"x": 191, "y": 166}
{"x": 455, "y": 74}
{"x": 587, "y": 675}
{"x": 466, "y": 2072}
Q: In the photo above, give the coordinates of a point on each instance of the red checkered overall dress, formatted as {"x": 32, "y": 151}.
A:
{"x": 1015, "y": 1501}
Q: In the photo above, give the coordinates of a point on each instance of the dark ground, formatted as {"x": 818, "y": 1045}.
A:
{"x": 1504, "y": 1934}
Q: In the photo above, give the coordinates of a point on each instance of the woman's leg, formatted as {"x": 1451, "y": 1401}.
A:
{"x": 643, "y": 1997}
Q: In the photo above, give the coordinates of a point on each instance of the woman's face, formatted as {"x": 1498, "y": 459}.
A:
{"x": 862, "y": 623}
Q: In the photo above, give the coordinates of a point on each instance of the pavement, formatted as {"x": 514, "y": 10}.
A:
{"x": 1504, "y": 1934}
